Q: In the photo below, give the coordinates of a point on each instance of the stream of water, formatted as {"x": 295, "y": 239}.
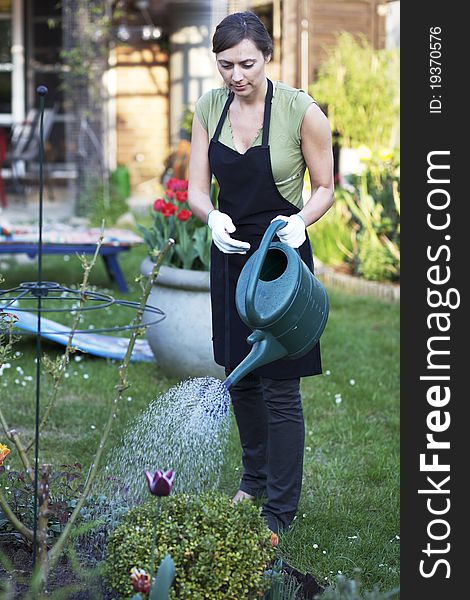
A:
{"x": 184, "y": 429}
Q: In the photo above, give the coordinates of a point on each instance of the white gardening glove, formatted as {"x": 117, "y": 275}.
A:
{"x": 293, "y": 234}
{"x": 221, "y": 225}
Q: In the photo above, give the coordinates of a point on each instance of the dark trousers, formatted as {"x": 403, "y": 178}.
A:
{"x": 272, "y": 433}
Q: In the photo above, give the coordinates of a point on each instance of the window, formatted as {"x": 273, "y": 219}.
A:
{"x": 43, "y": 48}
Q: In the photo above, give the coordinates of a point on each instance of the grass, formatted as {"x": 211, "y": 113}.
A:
{"x": 348, "y": 520}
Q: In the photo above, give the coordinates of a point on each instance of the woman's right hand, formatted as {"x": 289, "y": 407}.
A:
{"x": 221, "y": 226}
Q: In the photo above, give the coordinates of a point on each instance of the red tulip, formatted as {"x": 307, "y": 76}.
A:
{"x": 170, "y": 184}
{"x": 181, "y": 196}
{"x": 177, "y": 184}
{"x": 158, "y": 205}
{"x": 168, "y": 209}
{"x": 184, "y": 215}
{"x": 160, "y": 483}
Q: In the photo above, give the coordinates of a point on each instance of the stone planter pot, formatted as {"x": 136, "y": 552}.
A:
{"x": 182, "y": 342}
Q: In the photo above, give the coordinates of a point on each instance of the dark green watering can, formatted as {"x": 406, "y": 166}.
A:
{"x": 282, "y": 301}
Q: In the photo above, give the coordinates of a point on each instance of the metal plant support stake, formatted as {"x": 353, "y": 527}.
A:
{"x": 40, "y": 292}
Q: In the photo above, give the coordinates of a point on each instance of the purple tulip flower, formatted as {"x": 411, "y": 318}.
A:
{"x": 160, "y": 483}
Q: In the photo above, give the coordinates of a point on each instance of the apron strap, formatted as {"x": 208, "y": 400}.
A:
{"x": 266, "y": 118}
{"x": 227, "y": 313}
{"x": 218, "y": 129}
{"x": 267, "y": 113}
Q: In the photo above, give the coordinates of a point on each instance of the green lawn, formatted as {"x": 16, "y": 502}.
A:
{"x": 349, "y": 514}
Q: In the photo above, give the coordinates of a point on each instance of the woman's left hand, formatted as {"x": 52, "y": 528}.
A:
{"x": 293, "y": 234}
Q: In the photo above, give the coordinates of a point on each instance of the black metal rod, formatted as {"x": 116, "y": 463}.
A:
{"x": 42, "y": 91}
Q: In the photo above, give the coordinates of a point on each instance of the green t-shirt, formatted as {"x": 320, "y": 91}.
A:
{"x": 287, "y": 113}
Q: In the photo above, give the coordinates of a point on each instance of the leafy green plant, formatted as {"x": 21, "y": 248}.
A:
{"x": 220, "y": 550}
{"x": 349, "y": 589}
{"x": 362, "y": 229}
{"x": 359, "y": 88}
{"x": 331, "y": 235}
{"x": 376, "y": 231}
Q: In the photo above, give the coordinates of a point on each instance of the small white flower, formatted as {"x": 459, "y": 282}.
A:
{"x": 77, "y": 358}
{"x": 338, "y": 399}
{"x": 86, "y": 376}
{"x": 328, "y": 372}
{"x": 352, "y": 382}
{"x": 129, "y": 398}
{"x": 17, "y": 381}
{"x": 308, "y": 449}
{"x": 324, "y": 551}
{"x": 304, "y": 515}
{"x": 92, "y": 426}
{"x": 315, "y": 545}
{"x": 67, "y": 375}
{"x": 17, "y": 354}
{"x": 66, "y": 258}
{"x": 20, "y": 370}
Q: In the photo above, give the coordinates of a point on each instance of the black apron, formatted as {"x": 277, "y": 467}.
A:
{"x": 248, "y": 194}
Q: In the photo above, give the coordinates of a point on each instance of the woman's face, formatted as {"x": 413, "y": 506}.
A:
{"x": 243, "y": 68}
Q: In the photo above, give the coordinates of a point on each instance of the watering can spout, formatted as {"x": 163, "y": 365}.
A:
{"x": 266, "y": 348}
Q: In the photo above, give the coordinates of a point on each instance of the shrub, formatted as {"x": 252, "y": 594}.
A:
{"x": 376, "y": 263}
{"x": 220, "y": 550}
{"x": 359, "y": 87}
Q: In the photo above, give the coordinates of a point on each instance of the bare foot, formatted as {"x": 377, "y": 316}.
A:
{"x": 240, "y": 496}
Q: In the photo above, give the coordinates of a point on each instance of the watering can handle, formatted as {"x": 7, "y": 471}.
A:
{"x": 256, "y": 270}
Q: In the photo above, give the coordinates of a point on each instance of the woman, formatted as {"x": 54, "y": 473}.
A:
{"x": 257, "y": 139}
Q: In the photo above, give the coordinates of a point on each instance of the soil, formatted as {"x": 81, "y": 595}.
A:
{"x": 62, "y": 576}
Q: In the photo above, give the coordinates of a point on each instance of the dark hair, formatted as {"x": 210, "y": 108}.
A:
{"x": 240, "y": 26}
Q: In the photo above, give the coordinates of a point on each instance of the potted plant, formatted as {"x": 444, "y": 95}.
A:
{"x": 182, "y": 342}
